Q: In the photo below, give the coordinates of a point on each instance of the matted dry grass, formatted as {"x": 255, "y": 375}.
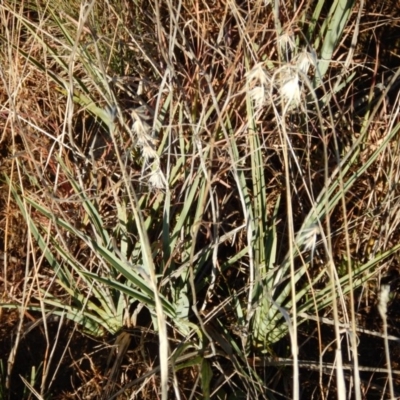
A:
{"x": 197, "y": 117}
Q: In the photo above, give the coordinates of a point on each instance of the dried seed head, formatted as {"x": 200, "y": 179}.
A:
{"x": 147, "y": 143}
{"x": 308, "y": 237}
{"x": 290, "y": 89}
{"x": 259, "y": 74}
{"x": 148, "y": 153}
{"x": 157, "y": 180}
{"x": 383, "y": 300}
{"x": 286, "y": 43}
{"x": 304, "y": 61}
{"x": 259, "y": 77}
{"x": 258, "y": 95}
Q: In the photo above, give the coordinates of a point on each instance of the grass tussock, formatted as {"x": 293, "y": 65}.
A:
{"x": 199, "y": 200}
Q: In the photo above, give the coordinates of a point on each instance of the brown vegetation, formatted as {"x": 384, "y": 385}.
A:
{"x": 199, "y": 200}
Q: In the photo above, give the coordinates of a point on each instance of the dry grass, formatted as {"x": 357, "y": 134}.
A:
{"x": 195, "y": 204}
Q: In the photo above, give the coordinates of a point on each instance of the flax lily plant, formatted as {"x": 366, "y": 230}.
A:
{"x": 197, "y": 186}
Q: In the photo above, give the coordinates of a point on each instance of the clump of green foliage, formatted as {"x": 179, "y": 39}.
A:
{"x": 218, "y": 179}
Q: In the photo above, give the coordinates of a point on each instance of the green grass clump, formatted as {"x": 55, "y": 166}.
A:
{"x": 200, "y": 199}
